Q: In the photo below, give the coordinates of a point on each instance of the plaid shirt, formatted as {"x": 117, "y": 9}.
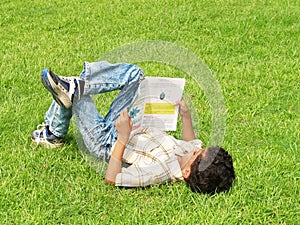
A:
{"x": 151, "y": 158}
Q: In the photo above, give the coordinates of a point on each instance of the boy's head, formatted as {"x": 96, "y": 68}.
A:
{"x": 211, "y": 171}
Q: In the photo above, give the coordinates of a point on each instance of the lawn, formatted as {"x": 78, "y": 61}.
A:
{"x": 252, "y": 49}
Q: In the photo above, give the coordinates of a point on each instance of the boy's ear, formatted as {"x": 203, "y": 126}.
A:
{"x": 186, "y": 172}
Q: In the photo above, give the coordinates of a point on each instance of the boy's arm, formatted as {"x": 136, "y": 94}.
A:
{"x": 188, "y": 133}
{"x": 124, "y": 126}
{"x": 115, "y": 163}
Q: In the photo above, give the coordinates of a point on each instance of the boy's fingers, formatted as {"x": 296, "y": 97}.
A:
{"x": 124, "y": 116}
{"x": 180, "y": 102}
{"x": 125, "y": 113}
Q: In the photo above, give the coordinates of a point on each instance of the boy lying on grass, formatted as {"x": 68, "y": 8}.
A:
{"x": 135, "y": 159}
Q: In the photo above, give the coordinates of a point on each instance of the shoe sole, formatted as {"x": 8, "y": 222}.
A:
{"x": 53, "y": 87}
{"x": 47, "y": 144}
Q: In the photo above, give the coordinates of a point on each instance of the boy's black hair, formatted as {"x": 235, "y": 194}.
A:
{"x": 217, "y": 174}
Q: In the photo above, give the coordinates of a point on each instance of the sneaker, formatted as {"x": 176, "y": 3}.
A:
{"x": 63, "y": 89}
{"x": 42, "y": 136}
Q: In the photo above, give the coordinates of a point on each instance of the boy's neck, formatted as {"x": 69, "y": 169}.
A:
{"x": 183, "y": 160}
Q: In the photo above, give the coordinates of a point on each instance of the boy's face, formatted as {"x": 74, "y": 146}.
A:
{"x": 186, "y": 171}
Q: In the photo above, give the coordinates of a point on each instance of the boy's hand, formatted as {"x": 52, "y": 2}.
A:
{"x": 188, "y": 133}
{"x": 124, "y": 126}
{"x": 183, "y": 109}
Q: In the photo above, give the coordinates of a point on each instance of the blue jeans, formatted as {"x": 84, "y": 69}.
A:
{"x": 98, "y": 133}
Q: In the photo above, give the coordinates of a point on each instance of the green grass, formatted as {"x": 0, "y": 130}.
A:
{"x": 252, "y": 48}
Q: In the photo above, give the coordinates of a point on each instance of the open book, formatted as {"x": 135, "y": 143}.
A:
{"x": 154, "y": 103}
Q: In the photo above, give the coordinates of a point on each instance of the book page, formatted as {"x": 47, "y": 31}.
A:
{"x": 154, "y": 105}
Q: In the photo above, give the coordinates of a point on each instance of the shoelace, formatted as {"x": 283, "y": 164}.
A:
{"x": 41, "y": 128}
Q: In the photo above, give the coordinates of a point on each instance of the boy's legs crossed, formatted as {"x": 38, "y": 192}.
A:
{"x": 99, "y": 77}
{"x": 98, "y": 133}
